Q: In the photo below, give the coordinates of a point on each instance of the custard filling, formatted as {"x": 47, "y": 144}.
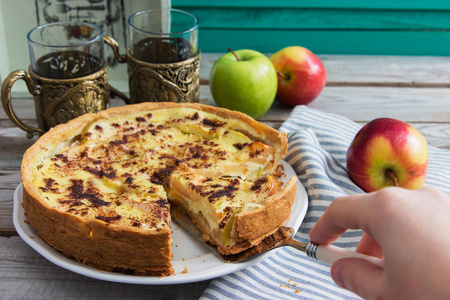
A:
{"x": 125, "y": 170}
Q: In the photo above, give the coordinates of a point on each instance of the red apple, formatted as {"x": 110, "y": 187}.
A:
{"x": 301, "y": 75}
{"x": 388, "y": 152}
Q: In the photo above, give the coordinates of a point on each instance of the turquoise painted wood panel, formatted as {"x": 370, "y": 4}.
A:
{"x": 330, "y": 42}
{"x": 325, "y": 27}
{"x": 374, "y": 4}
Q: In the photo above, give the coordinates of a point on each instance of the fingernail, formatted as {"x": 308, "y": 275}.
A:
{"x": 336, "y": 273}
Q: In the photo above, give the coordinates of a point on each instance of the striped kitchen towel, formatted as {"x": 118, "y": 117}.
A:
{"x": 318, "y": 143}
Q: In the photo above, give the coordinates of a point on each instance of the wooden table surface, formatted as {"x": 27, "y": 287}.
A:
{"x": 361, "y": 88}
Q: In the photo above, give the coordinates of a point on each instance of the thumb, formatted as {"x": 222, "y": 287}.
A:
{"x": 358, "y": 276}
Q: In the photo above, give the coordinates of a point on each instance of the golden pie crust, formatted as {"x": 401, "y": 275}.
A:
{"x": 80, "y": 209}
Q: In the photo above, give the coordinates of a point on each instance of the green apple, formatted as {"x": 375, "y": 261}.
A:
{"x": 244, "y": 80}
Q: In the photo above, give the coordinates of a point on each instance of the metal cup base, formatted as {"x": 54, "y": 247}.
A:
{"x": 167, "y": 82}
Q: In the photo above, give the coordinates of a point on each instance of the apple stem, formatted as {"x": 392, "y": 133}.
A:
{"x": 282, "y": 75}
{"x": 237, "y": 57}
{"x": 391, "y": 175}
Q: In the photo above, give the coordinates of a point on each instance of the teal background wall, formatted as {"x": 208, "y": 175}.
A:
{"x": 326, "y": 27}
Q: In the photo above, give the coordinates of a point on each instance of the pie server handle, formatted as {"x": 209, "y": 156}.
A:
{"x": 329, "y": 253}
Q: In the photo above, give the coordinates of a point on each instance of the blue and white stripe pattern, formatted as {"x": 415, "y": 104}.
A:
{"x": 318, "y": 143}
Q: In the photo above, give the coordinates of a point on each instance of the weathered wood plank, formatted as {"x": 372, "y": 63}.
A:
{"x": 24, "y": 274}
{"x": 356, "y": 103}
{"x": 366, "y": 103}
{"x": 407, "y": 104}
{"x": 6, "y": 212}
{"x": 13, "y": 144}
{"x": 370, "y": 69}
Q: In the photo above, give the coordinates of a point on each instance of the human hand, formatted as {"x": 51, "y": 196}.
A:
{"x": 410, "y": 229}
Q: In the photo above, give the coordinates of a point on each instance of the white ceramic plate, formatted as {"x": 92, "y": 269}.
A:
{"x": 192, "y": 261}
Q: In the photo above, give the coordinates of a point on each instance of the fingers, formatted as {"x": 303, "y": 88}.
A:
{"x": 359, "y": 276}
{"x": 342, "y": 214}
{"x": 367, "y": 245}
{"x": 368, "y": 212}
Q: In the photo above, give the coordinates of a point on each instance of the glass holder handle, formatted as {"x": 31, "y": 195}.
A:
{"x": 115, "y": 48}
{"x": 6, "y": 100}
{"x": 120, "y": 59}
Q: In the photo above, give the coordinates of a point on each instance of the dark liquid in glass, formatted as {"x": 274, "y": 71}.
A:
{"x": 162, "y": 50}
{"x": 67, "y": 65}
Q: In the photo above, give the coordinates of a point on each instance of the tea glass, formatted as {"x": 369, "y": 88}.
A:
{"x": 67, "y": 75}
{"x": 162, "y": 56}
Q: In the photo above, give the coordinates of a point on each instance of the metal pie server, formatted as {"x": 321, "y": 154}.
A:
{"x": 283, "y": 237}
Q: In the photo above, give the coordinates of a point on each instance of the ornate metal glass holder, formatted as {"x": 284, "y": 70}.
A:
{"x": 67, "y": 75}
{"x": 160, "y": 82}
{"x": 174, "y": 82}
{"x": 58, "y": 100}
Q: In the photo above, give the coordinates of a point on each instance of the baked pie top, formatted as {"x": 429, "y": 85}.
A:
{"x": 123, "y": 165}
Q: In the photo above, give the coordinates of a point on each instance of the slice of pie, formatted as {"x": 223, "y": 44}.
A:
{"x": 98, "y": 188}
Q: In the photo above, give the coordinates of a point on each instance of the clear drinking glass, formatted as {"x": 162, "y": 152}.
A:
{"x": 65, "y": 50}
{"x": 67, "y": 75}
{"x": 162, "y": 55}
{"x": 163, "y": 35}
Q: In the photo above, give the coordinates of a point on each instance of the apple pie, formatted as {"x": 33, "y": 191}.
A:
{"x": 99, "y": 188}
